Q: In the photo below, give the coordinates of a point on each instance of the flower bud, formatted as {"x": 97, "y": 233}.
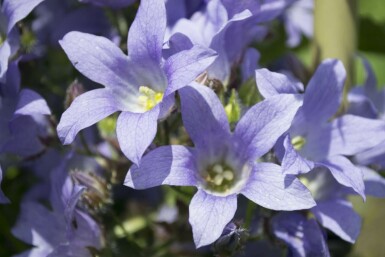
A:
{"x": 97, "y": 193}
{"x": 231, "y": 241}
{"x": 73, "y": 91}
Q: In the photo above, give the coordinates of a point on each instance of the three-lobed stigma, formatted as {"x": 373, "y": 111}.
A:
{"x": 149, "y": 98}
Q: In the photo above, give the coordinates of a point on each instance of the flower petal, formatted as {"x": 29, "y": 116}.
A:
{"x": 44, "y": 225}
{"x": 85, "y": 110}
{"x": 304, "y": 237}
{"x": 16, "y": 10}
{"x": 166, "y": 165}
{"x": 360, "y": 104}
{"x": 264, "y": 123}
{"x": 209, "y": 215}
{"x": 346, "y": 173}
{"x": 272, "y": 83}
{"x": 204, "y": 117}
{"x": 338, "y": 216}
{"x": 185, "y": 66}
{"x": 31, "y": 103}
{"x": 178, "y": 42}
{"x": 102, "y": 61}
{"x": 23, "y": 142}
{"x": 324, "y": 92}
{"x": 5, "y": 53}
{"x": 293, "y": 163}
{"x": 136, "y": 131}
{"x": 352, "y": 134}
{"x": 146, "y": 34}
{"x": 268, "y": 187}
{"x": 375, "y": 95}
{"x": 374, "y": 183}
{"x": 250, "y": 63}
{"x": 374, "y": 156}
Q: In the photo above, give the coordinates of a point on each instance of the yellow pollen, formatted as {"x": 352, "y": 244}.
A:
{"x": 149, "y": 98}
{"x": 298, "y": 142}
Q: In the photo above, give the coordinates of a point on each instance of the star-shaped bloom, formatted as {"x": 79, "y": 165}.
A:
{"x": 313, "y": 140}
{"x": 140, "y": 85}
{"x": 223, "y": 164}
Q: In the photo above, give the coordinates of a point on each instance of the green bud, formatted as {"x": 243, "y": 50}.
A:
{"x": 107, "y": 126}
{"x": 248, "y": 93}
{"x": 27, "y": 40}
{"x": 233, "y": 109}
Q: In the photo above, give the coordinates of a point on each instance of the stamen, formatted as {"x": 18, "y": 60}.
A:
{"x": 298, "y": 142}
{"x": 149, "y": 98}
{"x": 219, "y": 177}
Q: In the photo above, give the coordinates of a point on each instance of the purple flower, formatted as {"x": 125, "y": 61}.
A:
{"x": 312, "y": 140}
{"x": 140, "y": 85}
{"x": 333, "y": 211}
{"x": 55, "y": 18}
{"x": 227, "y": 27}
{"x": 12, "y": 11}
{"x": 368, "y": 101}
{"x": 20, "y": 109}
{"x": 223, "y": 164}
{"x": 64, "y": 231}
{"x": 304, "y": 237}
{"x": 298, "y": 19}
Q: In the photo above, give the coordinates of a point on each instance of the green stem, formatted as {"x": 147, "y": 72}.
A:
{"x": 335, "y": 35}
{"x": 250, "y": 213}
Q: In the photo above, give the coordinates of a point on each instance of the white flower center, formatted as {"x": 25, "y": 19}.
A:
{"x": 219, "y": 177}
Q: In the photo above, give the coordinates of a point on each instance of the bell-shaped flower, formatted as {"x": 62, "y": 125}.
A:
{"x": 140, "y": 85}
{"x": 223, "y": 164}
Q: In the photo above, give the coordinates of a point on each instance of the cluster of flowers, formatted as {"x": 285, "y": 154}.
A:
{"x": 293, "y": 151}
